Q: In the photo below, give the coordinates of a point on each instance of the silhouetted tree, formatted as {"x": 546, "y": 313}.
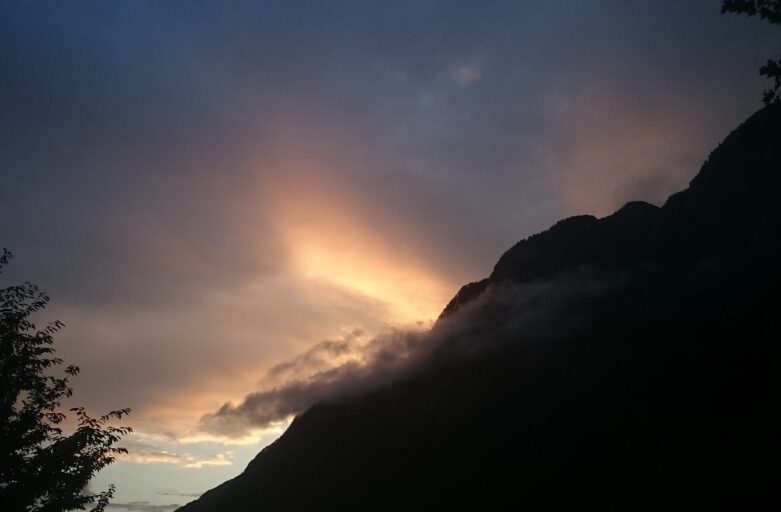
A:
{"x": 42, "y": 468}
{"x": 769, "y": 10}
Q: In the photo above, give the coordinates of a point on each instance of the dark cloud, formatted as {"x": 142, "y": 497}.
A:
{"x": 321, "y": 355}
{"x": 333, "y": 370}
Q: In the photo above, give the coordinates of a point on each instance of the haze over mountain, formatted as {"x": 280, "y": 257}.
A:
{"x": 628, "y": 362}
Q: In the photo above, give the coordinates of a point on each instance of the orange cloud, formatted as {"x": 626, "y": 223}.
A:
{"x": 180, "y": 459}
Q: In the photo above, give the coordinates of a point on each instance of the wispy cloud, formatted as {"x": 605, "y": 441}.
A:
{"x": 146, "y": 453}
{"x": 467, "y": 74}
{"x": 333, "y": 370}
{"x": 142, "y": 506}
{"x": 183, "y": 460}
{"x": 174, "y": 492}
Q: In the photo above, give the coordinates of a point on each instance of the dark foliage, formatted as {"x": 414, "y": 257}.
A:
{"x": 42, "y": 468}
{"x": 662, "y": 397}
{"x": 769, "y": 10}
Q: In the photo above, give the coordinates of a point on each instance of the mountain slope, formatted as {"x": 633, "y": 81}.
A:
{"x": 627, "y": 362}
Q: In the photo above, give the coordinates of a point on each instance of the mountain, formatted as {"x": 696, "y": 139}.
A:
{"x": 628, "y": 362}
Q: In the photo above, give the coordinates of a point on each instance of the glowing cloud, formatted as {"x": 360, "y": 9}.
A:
{"x": 466, "y": 75}
{"x": 180, "y": 459}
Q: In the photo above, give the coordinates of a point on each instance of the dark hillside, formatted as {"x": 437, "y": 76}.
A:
{"x": 629, "y": 362}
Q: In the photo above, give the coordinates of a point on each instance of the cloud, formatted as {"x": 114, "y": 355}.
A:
{"x": 334, "y": 370}
{"x": 174, "y": 492}
{"x": 467, "y": 74}
{"x": 183, "y": 460}
{"x": 146, "y": 453}
{"x": 325, "y": 354}
{"x": 142, "y": 506}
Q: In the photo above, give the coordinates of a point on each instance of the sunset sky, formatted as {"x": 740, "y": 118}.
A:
{"x": 207, "y": 190}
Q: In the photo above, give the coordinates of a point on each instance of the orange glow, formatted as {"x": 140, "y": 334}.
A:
{"x": 334, "y": 268}
{"x": 620, "y": 150}
{"x": 346, "y": 258}
{"x": 329, "y": 239}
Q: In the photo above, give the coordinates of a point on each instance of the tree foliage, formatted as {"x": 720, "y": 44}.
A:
{"x": 42, "y": 468}
{"x": 769, "y": 10}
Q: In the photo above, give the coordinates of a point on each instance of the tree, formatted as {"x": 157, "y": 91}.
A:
{"x": 769, "y": 10}
{"x": 42, "y": 468}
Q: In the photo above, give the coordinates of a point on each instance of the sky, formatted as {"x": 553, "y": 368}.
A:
{"x": 209, "y": 190}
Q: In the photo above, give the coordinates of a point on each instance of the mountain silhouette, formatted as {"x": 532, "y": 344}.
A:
{"x": 628, "y": 362}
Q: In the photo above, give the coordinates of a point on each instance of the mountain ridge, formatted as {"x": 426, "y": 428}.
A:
{"x": 633, "y": 366}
